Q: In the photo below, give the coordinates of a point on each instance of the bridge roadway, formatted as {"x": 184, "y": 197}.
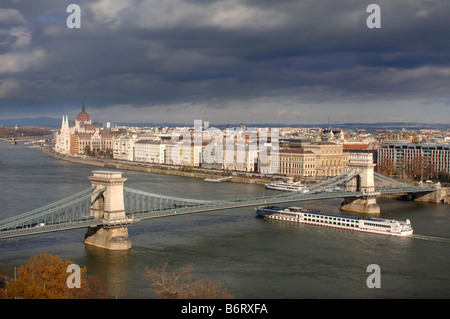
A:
{"x": 173, "y": 210}
{"x": 23, "y": 226}
{"x": 238, "y": 204}
{"x": 259, "y": 202}
{"x": 19, "y": 139}
{"x": 14, "y": 141}
{"x": 35, "y": 230}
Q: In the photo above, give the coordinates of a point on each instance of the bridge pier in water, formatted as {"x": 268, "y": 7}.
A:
{"x": 109, "y": 205}
{"x": 363, "y": 182}
{"x": 440, "y": 195}
{"x": 361, "y": 205}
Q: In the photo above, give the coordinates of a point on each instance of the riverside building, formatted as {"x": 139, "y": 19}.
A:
{"x": 83, "y": 136}
{"x": 423, "y": 158}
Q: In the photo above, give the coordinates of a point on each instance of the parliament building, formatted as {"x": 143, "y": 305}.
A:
{"x": 83, "y": 136}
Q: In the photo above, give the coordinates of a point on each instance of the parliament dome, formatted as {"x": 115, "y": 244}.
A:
{"x": 83, "y": 117}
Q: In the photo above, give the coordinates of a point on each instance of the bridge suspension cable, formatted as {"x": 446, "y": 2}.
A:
{"x": 139, "y": 202}
{"x": 39, "y": 210}
{"x": 74, "y": 208}
{"x": 388, "y": 180}
{"x": 322, "y": 186}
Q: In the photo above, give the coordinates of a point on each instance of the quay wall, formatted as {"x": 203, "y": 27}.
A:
{"x": 114, "y": 164}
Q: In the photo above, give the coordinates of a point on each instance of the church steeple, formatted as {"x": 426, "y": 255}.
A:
{"x": 65, "y": 121}
{"x": 83, "y": 107}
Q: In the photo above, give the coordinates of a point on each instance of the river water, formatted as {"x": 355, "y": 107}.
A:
{"x": 251, "y": 257}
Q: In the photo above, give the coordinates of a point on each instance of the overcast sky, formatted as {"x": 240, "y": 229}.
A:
{"x": 226, "y": 61}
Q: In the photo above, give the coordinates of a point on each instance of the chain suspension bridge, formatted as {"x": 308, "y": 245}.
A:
{"x": 107, "y": 208}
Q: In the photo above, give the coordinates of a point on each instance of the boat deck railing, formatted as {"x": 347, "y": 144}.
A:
{"x": 318, "y": 212}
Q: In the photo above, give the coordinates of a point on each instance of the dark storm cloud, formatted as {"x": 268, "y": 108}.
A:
{"x": 168, "y": 52}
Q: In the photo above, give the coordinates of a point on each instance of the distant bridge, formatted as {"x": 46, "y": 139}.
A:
{"x": 108, "y": 208}
{"x": 14, "y": 140}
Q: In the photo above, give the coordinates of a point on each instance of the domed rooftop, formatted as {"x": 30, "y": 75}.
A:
{"x": 83, "y": 117}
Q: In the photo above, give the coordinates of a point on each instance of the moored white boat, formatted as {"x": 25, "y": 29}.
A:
{"x": 218, "y": 180}
{"x": 285, "y": 186}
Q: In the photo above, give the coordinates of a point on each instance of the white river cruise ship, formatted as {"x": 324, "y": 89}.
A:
{"x": 286, "y": 186}
{"x": 307, "y": 216}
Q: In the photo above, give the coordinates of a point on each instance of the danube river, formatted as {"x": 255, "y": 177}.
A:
{"x": 251, "y": 257}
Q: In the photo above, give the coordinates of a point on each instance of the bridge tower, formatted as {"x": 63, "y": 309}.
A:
{"x": 112, "y": 234}
{"x": 363, "y": 182}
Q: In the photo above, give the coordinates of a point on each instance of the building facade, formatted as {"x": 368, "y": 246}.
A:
{"x": 297, "y": 162}
{"x": 149, "y": 151}
{"x": 124, "y": 147}
{"x": 330, "y": 158}
{"x": 425, "y": 160}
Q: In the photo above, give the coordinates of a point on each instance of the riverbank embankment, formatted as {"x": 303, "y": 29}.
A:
{"x": 148, "y": 168}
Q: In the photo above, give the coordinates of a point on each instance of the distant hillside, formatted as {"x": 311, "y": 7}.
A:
{"x": 49, "y": 122}
{"x": 55, "y": 123}
{"x": 8, "y": 132}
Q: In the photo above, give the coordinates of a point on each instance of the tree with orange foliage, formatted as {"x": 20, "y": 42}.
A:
{"x": 385, "y": 167}
{"x": 208, "y": 290}
{"x": 45, "y": 277}
{"x": 178, "y": 285}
